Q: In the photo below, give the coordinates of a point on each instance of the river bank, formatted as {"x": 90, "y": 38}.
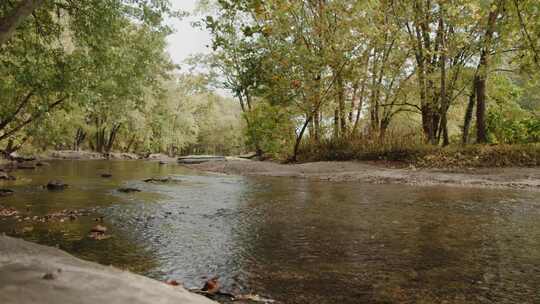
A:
{"x": 369, "y": 172}
{"x": 374, "y": 172}
{"x": 33, "y": 273}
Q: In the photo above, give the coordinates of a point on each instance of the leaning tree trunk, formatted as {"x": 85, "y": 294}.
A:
{"x": 130, "y": 144}
{"x": 9, "y": 23}
{"x": 112, "y": 137}
{"x": 299, "y": 138}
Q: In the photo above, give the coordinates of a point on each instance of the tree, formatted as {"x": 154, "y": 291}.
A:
{"x": 52, "y": 56}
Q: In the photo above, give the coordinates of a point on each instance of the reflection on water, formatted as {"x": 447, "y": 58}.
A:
{"x": 295, "y": 240}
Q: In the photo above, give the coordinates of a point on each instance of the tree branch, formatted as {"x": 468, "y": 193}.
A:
{"x": 9, "y": 23}
{"x": 23, "y": 103}
{"x": 31, "y": 119}
{"x": 527, "y": 35}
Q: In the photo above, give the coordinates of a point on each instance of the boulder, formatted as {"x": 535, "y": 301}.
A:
{"x": 33, "y": 273}
{"x": 6, "y": 192}
{"x": 56, "y": 185}
{"x": 99, "y": 229}
{"x": 158, "y": 180}
{"x": 249, "y": 155}
{"x": 5, "y": 176}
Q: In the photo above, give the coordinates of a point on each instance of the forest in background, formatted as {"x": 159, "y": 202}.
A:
{"x": 313, "y": 79}
{"x": 95, "y": 75}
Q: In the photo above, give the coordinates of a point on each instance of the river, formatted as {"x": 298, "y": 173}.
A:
{"x": 291, "y": 239}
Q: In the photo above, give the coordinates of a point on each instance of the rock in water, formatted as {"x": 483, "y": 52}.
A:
{"x": 128, "y": 190}
{"x": 6, "y": 192}
{"x": 99, "y": 229}
{"x": 98, "y": 233}
{"x": 5, "y": 176}
{"x": 106, "y": 175}
{"x": 159, "y": 180}
{"x": 56, "y": 185}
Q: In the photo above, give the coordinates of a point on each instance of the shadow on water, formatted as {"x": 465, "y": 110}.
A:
{"x": 295, "y": 240}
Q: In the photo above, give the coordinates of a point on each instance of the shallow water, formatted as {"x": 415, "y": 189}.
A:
{"x": 294, "y": 240}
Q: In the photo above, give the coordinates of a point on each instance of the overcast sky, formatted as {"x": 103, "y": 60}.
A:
{"x": 186, "y": 39}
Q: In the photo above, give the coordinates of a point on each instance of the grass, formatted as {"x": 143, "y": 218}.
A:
{"x": 409, "y": 150}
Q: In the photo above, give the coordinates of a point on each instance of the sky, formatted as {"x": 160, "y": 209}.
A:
{"x": 186, "y": 40}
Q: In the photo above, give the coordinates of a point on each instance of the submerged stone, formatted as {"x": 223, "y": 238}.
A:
{"x": 6, "y": 192}
{"x": 56, "y": 185}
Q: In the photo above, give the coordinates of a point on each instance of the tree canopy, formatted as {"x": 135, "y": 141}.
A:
{"x": 349, "y": 69}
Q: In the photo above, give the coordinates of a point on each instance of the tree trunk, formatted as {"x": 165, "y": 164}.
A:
{"x": 299, "y": 138}
{"x": 317, "y": 125}
{"x": 480, "y": 79}
{"x": 480, "y": 88}
{"x": 80, "y": 136}
{"x": 361, "y": 98}
{"x": 341, "y": 106}
{"x": 444, "y": 128}
{"x": 130, "y": 143}
{"x": 385, "y": 123}
{"x": 336, "y": 123}
{"x": 443, "y": 109}
{"x": 468, "y": 117}
{"x": 9, "y": 23}
{"x": 112, "y": 137}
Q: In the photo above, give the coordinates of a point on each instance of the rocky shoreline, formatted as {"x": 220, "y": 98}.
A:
{"x": 526, "y": 178}
{"x": 351, "y": 171}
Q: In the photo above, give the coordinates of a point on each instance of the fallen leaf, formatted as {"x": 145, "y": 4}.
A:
{"x": 173, "y": 283}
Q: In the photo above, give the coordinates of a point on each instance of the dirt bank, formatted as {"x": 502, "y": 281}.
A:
{"x": 517, "y": 178}
{"x": 31, "y": 273}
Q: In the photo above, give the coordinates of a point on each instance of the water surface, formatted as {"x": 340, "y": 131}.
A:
{"x": 294, "y": 240}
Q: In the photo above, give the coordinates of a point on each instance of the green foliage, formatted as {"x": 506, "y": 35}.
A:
{"x": 97, "y": 56}
{"x": 508, "y": 122}
{"x": 272, "y": 129}
{"x": 513, "y": 131}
